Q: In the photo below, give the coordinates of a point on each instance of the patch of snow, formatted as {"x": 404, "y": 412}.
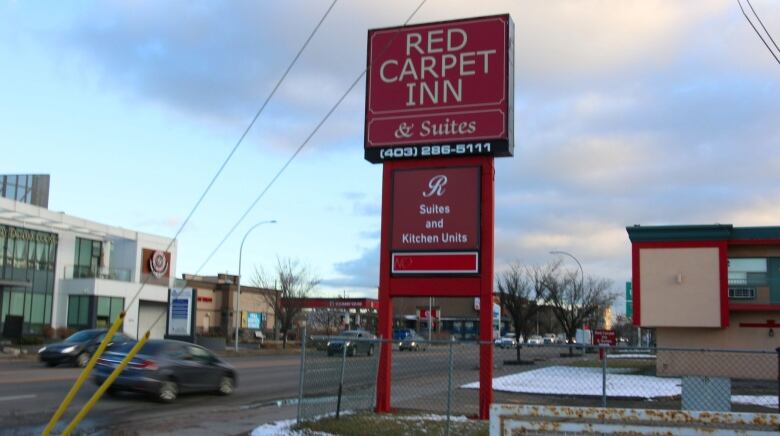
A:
{"x": 630, "y": 356}
{"x": 756, "y": 400}
{"x": 284, "y": 428}
{"x": 565, "y": 380}
{"x": 278, "y": 428}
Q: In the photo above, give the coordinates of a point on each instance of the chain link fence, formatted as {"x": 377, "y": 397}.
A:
{"x": 442, "y": 378}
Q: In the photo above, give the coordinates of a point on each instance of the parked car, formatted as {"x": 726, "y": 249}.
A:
{"x": 413, "y": 342}
{"x": 166, "y": 368}
{"x": 549, "y": 338}
{"x": 356, "y": 341}
{"x": 507, "y": 341}
{"x": 535, "y": 340}
{"x": 77, "y": 348}
{"x": 400, "y": 334}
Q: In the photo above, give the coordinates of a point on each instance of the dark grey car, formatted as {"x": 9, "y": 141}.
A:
{"x": 166, "y": 368}
{"x": 413, "y": 342}
{"x": 356, "y": 342}
{"x": 77, "y": 348}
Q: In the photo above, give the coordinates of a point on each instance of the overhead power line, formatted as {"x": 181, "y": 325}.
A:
{"x": 240, "y": 141}
{"x": 301, "y": 146}
{"x": 761, "y": 37}
{"x": 762, "y": 26}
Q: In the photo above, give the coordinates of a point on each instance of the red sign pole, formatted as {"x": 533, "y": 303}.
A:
{"x": 385, "y": 327}
{"x": 486, "y": 297}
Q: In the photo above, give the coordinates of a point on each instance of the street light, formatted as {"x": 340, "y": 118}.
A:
{"x": 582, "y": 274}
{"x": 237, "y": 315}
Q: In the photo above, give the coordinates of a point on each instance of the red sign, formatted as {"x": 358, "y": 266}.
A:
{"x": 604, "y": 337}
{"x": 440, "y": 89}
{"x": 423, "y": 313}
{"x": 436, "y": 209}
{"x": 436, "y": 263}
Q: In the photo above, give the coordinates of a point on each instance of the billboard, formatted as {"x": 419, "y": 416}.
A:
{"x": 440, "y": 90}
{"x": 436, "y": 220}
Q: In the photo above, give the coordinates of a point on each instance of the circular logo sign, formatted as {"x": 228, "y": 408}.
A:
{"x": 158, "y": 264}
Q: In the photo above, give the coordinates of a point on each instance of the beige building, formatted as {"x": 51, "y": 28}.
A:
{"x": 217, "y": 303}
{"x": 709, "y": 287}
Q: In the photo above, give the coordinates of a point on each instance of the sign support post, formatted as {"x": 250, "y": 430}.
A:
{"x": 439, "y": 109}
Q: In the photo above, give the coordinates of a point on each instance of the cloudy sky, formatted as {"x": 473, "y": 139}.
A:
{"x": 626, "y": 112}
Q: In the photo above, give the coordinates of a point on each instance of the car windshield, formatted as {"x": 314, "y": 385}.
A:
{"x": 149, "y": 348}
{"x": 82, "y": 336}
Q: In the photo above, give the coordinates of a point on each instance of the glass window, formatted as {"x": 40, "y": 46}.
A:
{"x": 78, "y": 311}
{"x": 103, "y": 312}
{"x": 17, "y": 303}
{"x": 747, "y": 271}
{"x": 83, "y": 311}
{"x": 117, "y": 305}
{"x": 21, "y": 187}
{"x": 104, "y": 306}
{"x": 73, "y": 311}
{"x": 47, "y": 310}
{"x": 4, "y": 306}
{"x": 37, "y": 313}
{"x": 10, "y": 191}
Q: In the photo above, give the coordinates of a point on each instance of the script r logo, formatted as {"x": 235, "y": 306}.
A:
{"x": 436, "y": 186}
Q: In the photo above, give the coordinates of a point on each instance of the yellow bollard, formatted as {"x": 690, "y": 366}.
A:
{"x": 84, "y": 374}
{"x": 106, "y": 384}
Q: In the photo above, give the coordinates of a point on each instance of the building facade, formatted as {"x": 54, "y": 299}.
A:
{"x": 216, "y": 304}
{"x": 62, "y": 272}
{"x": 708, "y": 286}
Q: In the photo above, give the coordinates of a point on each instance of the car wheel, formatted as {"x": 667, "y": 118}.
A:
{"x": 226, "y": 385}
{"x": 351, "y": 352}
{"x": 50, "y": 364}
{"x": 330, "y": 354}
{"x": 370, "y": 350}
{"x": 168, "y": 391}
{"x": 82, "y": 359}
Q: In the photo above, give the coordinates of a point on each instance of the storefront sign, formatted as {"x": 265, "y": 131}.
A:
{"x": 436, "y": 209}
{"x": 604, "y": 337}
{"x": 157, "y": 263}
{"x": 425, "y": 313}
{"x": 17, "y": 233}
{"x": 181, "y": 312}
{"x": 252, "y": 320}
{"x": 436, "y": 215}
{"x": 440, "y": 89}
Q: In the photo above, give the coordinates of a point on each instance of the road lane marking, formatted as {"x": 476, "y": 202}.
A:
{"x": 17, "y": 397}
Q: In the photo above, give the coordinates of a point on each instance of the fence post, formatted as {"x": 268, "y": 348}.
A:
{"x": 449, "y": 387}
{"x": 301, "y": 378}
{"x": 778, "y": 378}
{"x": 376, "y": 366}
{"x": 604, "y": 352}
{"x": 341, "y": 377}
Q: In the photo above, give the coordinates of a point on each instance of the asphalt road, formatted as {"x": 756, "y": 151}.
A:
{"x": 30, "y": 393}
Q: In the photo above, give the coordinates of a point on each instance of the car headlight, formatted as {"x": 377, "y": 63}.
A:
{"x": 413, "y": 344}
{"x": 68, "y": 350}
{"x": 328, "y": 344}
{"x": 42, "y": 350}
{"x": 348, "y": 343}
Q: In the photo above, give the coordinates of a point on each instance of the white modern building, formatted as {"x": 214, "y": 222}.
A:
{"x": 58, "y": 270}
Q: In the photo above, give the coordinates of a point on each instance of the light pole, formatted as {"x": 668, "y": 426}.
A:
{"x": 582, "y": 274}
{"x": 237, "y": 315}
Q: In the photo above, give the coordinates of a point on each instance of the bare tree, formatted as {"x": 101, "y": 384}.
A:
{"x": 292, "y": 283}
{"x": 573, "y": 302}
{"x": 519, "y": 290}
